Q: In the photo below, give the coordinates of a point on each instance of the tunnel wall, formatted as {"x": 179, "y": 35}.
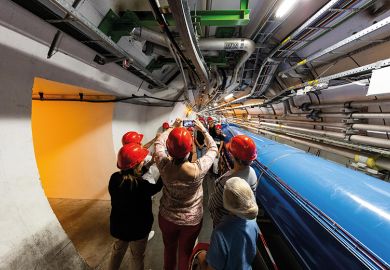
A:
{"x": 133, "y": 118}
{"x": 30, "y": 235}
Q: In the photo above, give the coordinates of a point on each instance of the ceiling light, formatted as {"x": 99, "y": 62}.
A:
{"x": 228, "y": 97}
{"x": 285, "y": 7}
{"x": 215, "y": 104}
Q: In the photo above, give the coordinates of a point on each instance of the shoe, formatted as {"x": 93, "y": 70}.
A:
{"x": 151, "y": 234}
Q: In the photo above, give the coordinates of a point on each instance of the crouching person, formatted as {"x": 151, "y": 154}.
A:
{"x": 233, "y": 241}
{"x": 131, "y": 216}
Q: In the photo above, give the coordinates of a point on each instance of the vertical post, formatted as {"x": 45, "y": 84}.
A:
{"x": 244, "y": 4}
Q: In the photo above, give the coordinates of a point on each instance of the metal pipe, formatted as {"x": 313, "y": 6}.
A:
{"x": 385, "y": 143}
{"x": 181, "y": 13}
{"x": 104, "y": 39}
{"x": 383, "y": 163}
{"x": 371, "y": 115}
{"x": 352, "y": 104}
{"x": 312, "y": 123}
{"x": 209, "y": 4}
{"x": 336, "y": 115}
{"x": 371, "y": 162}
{"x": 336, "y": 150}
{"x": 206, "y": 44}
{"x": 312, "y": 131}
{"x": 230, "y": 44}
{"x": 371, "y": 127}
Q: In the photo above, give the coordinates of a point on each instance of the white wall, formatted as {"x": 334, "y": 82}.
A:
{"x": 143, "y": 119}
{"x": 30, "y": 234}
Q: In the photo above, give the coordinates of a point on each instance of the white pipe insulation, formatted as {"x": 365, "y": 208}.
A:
{"x": 206, "y": 44}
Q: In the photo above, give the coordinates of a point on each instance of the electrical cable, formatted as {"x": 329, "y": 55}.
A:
{"x": 164, "y": 25}
{"x": 120, "y": 99}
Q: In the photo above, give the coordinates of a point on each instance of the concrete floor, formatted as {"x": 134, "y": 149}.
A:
{"x": 87, "y": 224}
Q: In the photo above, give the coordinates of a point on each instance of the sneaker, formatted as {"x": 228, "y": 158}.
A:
{"x": 151, "y": 234}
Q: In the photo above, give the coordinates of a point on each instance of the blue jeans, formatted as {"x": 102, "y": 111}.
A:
{"x": 200, "y": 152}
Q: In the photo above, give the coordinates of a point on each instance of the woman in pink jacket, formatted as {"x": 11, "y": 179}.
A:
{"x": 181, "y": 205}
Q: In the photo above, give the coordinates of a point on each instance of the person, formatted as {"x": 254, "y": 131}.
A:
{"x": 131, "y": 216}
{"x": 219, "y": 141}
{"x": 233, "y": 241}
{"x": 199, "y": 141}
{"x": 135, "y": 137}
{"x": 150, "y": 171}
{"x": 190, "y": 157}
{"x": 181, "y": 204}
{"x": 165, "y": 126}
{"x": 243, "y": 150}
{"x": 212, "y": 131}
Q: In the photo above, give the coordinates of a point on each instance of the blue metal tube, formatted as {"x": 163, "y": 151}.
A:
{"x": 332, "y": 216}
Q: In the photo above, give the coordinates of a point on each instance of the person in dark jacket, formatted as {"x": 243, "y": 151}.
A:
{"x": 131, "y": 216}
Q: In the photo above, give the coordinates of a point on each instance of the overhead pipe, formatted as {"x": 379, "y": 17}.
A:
{"x": 294, "y": 35}
{"x": 181, "y": 14}
{"x": 207, "y": 44}
{"x": 209, "y": 4}
{"x": 351, "y": 104}
{"x": 230, "y": 44}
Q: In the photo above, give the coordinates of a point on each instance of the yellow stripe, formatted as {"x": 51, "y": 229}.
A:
{"x": 304, "y": 61}
{"x": 286, "y": 40}
{"x": 371, "y": 163}
{"x": 314, "y": 82}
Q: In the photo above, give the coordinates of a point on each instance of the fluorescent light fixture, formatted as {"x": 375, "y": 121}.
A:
{"x": 228, "y": 96}
{"x": 284, "y": 8}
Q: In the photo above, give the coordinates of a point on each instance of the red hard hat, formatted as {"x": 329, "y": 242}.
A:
{"x": 165, "y": 125}
{"x": 179, "y": 142}
{"x": 242, "y": 147}
{"x": 209, "y": 119}
{"x": 201, "y": 118}
{"x": 218, "y": 126}
{"x": 132, "y": 137}
{"x": 131, "y": 155}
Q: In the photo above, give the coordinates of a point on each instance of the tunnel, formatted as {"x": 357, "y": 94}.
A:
{"x": 307, "y": 81}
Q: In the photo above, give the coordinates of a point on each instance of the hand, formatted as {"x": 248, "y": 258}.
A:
{"x": 198, "y": 125}
{"x": 178, "y": 123}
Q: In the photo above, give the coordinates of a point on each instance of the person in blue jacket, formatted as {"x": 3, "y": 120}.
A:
{"x": 233, "y": 241}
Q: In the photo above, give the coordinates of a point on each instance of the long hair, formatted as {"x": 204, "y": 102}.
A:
{"x": 130, "y": 176}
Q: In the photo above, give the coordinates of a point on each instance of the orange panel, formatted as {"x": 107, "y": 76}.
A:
{"x": 73, "y": 144}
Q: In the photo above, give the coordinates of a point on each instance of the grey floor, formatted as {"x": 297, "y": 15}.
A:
{"x": 87, "y": 224}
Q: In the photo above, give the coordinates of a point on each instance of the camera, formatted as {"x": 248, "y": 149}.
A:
{"x": 188, "y": 123}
